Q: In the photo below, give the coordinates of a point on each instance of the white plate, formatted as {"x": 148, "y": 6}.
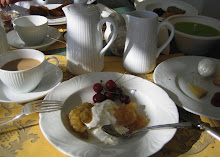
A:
{"x": 164, "y": 4}
{"x": 151, "y": 99}
{"x": 174, "y": 74}
{"x": 55, "y": 20}
{"x": 48, "y": 82}
{"x": 15, "y": 41}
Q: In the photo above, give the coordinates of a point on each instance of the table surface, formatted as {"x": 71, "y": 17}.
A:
{"x": 23, "y": 137}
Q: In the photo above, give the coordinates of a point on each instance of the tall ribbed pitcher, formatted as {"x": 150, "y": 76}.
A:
{"x": 4, "y": 47}
{"x": 85, "y": 52}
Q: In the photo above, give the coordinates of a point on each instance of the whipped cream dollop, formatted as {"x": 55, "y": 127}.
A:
{"x": 103, "y": 114}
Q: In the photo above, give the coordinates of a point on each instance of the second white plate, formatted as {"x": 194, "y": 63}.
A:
{"x": 164, "y": 4}
{"x": 174, "y": 74}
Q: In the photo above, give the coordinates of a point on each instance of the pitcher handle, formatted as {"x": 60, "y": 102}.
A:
{"x": 115, "y": 32}
{"x": 169, "y": 39}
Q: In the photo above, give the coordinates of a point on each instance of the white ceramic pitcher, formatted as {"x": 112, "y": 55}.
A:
{"x": 141, "y": 49}
{"x": 85, "y": 52}
{"x": 4, "y": 46}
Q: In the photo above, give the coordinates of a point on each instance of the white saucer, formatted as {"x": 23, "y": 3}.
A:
{"x": 15, "y": 41}
{"x": 49, "y": 82}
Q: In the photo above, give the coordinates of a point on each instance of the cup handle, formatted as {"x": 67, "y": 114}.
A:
{"x": 51, "y": 68}
{"x": 114, "y": 35}
{"x": 170, "y": 37}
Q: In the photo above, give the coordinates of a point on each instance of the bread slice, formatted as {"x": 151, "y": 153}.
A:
{"x": 217, "y": 80}
{"x": 197, "y": 91}
{"x": 39, "y": 10}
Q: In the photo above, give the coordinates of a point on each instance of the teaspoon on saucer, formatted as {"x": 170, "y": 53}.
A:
{"x": 55, "y": 39}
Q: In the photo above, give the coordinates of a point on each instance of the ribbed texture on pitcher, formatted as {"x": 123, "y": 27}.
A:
{"x": 83, "y": 46}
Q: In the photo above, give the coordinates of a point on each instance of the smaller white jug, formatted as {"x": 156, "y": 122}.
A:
{"x": 141, "y": 49}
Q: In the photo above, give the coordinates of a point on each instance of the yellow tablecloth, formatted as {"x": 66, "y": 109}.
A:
{"x": 23, "y": 137}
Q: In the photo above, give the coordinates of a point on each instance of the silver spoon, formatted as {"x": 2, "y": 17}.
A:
{"x": 111, "y": 129}
{"x": 55, "y": 39}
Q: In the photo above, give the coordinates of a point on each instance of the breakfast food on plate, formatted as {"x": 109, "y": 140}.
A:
{"x": 80, "y": 115}
{"x": 197, "y": 91}
{"x": 216, "y": 81}
{"x": 111, "y": 92}
{"x": 127, "y": 116}
{"x": 172, "y": 10}
{"x": 58, "y": 11}
{"x": 102, "y": 114}
{"x": 89, "y": 118}
{"x": 39, "y": 10}
{"x": 44, "y": 11}
{"x": 207, "y": 67}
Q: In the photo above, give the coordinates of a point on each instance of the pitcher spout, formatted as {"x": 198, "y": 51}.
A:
{"x": 65, "y": 10}
{"x": 131, "y": 16}
{"x": 126, "y": 17}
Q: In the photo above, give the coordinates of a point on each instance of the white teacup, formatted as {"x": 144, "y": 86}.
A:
{"x": 31, "y": 29}
{"x": 31, "y": 69}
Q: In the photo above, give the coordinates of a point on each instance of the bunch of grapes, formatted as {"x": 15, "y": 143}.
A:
{"x": 110, "y": 91}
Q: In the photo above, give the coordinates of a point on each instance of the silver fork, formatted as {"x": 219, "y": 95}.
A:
{"x": 37, "y": 106}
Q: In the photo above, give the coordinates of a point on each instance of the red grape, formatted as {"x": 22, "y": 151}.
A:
{"x": 109, "y": 95}
{"x": 110, "y": 85}
{"x": 98, "y": 97}
{"x": 118, "y": 90}
{"x": 110, "y": 92}
{"x": 124, "y": 99}
{"x": 97, "y": 87}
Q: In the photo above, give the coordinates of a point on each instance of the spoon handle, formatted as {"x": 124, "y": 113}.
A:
{"x": 172, "y": 125}
{"x": 56, "y": 39}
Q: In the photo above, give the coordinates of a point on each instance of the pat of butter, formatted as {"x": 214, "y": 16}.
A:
{"x": 207, "y": 67}
{"x": 121, "y": 129}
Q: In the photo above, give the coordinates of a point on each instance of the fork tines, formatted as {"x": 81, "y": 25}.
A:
{"x": 46, "y": 106}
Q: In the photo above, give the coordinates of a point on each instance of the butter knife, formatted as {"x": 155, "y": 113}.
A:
{"x": 196, "y": 121}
